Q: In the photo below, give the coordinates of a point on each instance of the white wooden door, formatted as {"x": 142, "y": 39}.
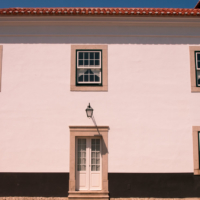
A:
{"x": 88, "y": 164}
{"x": 95, "y": 163}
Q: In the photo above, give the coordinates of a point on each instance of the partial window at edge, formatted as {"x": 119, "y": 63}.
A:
{"x": 197, "y": 59}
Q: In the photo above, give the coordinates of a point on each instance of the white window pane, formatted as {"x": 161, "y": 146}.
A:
{"x": 97, "y": 147}
{"x": 198, "y": 56}
{"x": 93, "y": 168}
{"x": 91, "y": 55}
{"x": 92, "y": 62}
{"x": 80, "y": 77}
{"x": 97, "y": 55}
{"x": 97, "y": 167}
{"x": 83, "y": 167}
{"x": 93, "y": 161}
{"x": 83, "y": 141}
{"x": 86, "y": 55}
{"x": 83, "y": 147}
{"x": 97, "y": 141}
{"x": 93, "y": 154}
{"x": 198, "y": 77}
{"x": 80, "y": 62}
{"x": 83, "y": 160}
{"x": 93, "y": 147}
{"x": 97, "y": 62}
{"x": 97, "y": 161}
{"x": 98, "y": 155}
{"x": 80, "y": 55}
{"x": 83, "y": 154}
{"x": 97, "y": 76}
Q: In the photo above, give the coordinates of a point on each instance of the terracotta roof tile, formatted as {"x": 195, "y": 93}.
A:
{"x": 100, "y": 11}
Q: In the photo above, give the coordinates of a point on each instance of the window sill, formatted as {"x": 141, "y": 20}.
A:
{"x": 103, "y": 88}
{"x": 195, "y": 89}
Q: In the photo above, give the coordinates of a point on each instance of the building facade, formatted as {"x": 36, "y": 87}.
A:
{"x": 140, "y": 71}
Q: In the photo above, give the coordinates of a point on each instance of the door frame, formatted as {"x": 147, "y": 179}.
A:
{"x": 88, "y": 131}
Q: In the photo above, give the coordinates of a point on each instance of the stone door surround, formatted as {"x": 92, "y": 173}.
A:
{"x": 88, "y": 131}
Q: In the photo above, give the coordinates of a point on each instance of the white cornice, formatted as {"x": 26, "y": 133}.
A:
{"x": 96, "y": 35}
{"x": 97, "y": 21}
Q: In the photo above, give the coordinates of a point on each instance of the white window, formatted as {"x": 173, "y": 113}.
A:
{"x": 89, "y": 68}
{"x": 197, "y": 68}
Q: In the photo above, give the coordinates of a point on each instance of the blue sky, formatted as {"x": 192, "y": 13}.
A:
{"x": 99, "y": 3}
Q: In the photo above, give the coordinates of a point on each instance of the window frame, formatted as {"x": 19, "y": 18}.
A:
{"x": 196, "y": 67}
{"x": 196, "y": 149}
{"x": 88, "y": 84}
{"x": 103, "y": 87}
{"x": 193, "y": 68}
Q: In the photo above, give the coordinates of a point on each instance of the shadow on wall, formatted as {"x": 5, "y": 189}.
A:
{"x": 105, "y": 148}
{"x": 143, "y": 40}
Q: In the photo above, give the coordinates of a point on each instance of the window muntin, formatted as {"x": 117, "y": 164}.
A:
{"x": 197, "y": 58}
{"x": 88, "y": 67}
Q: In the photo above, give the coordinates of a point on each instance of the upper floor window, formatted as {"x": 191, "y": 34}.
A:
{"x": 195, "y": 68}
{"x": 197, "y": 57}
{"x": 88, "y": 67}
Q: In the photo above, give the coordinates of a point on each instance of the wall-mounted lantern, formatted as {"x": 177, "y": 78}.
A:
{"x": 89, "y": 111}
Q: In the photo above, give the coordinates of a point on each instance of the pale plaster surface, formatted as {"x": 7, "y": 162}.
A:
{"x": 65, "y": 198}
{"x": 149, "y": 106}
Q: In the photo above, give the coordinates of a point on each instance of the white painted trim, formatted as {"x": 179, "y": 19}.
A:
{"x": 95, "y": 35}
{"x": 103, "y": 20}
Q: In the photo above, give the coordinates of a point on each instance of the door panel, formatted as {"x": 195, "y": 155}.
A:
{"x": 82, "y": 169}
{"x": 95, "y": 181}
{"x": 95, "y": 170}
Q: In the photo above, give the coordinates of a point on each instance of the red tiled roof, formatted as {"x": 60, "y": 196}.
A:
{"x": 99, "y": 11}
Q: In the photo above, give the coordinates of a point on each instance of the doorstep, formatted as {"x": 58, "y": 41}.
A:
{"x": 83, "y": 195}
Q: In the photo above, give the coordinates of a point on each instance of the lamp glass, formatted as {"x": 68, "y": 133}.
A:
{"x": 89, "y": 111}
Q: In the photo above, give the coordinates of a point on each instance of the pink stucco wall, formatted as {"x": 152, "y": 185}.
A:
{"x": 149, "y": 105}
